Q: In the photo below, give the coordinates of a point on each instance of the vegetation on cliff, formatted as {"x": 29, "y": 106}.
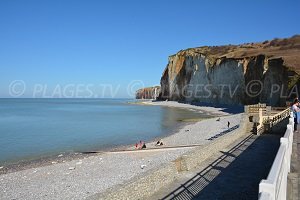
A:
{"x": 288, "y": 49}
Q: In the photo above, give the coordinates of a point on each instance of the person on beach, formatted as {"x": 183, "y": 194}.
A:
{"x": 144, "y": 145}
{"x": 295, "y": 109}
{"x": 159, "y": 143}
{"x": 140, "y": 145}
{"x": 228, "y": 124}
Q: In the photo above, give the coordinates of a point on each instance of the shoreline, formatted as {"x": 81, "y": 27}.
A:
{"x": 89, "y": 174}
{"x": 210, "y": 109}
{"x": 46, "y": 160}
{"x": 63, "y": 157}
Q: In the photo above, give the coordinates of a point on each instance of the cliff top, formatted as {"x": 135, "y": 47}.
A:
{"x": 148, "y": 88}
{"x": 287, "y": 48}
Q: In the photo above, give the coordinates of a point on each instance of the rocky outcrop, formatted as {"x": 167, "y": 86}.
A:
{"x": 148, "y": 93}
{"x": 235, "y": 74}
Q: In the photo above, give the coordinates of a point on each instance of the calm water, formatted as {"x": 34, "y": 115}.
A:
{"x": 30, "y": 128}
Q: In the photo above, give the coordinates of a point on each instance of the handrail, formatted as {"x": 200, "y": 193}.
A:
{"x": 275, "y": 186}
{"x": 261, "y": 116}
{"x": 275, "y": 119}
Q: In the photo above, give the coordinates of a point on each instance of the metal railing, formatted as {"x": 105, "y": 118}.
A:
{"x": 275, "y": 186}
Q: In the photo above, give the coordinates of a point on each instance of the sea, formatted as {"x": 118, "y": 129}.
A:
{"x": 36, "y": 128}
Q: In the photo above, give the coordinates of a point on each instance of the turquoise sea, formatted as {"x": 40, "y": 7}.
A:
{"x": 33, "y": 128}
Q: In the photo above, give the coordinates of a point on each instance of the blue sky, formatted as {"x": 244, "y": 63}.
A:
{"x": 55, "y": 43}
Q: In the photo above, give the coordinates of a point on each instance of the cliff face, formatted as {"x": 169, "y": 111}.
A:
{"x": 148, "y": 93}
{"x": 235, "y": 74}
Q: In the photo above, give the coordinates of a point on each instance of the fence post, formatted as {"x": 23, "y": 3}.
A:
{"x": 267, "y": 187}
{"x": 285, "y": 168}
{"x": 246, "y": 109}
{"x": 291, "y": 122}
{"x": 289, "y": 130}
{"x": 260, "y": 118}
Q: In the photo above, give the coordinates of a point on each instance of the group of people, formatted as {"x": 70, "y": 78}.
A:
{"x": 140, "y": 145}
{"x": 159, "y": 143}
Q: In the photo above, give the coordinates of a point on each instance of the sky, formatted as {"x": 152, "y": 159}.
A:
{"x": 86, "y": 48}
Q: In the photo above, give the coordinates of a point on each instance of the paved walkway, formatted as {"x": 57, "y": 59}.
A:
{"x": 298, "y": 161}
{"x": 293, "y": 177}
{"x": 295, "y": 166}
{"x": 294, "y": 186}
{"x": 234, "y": 173}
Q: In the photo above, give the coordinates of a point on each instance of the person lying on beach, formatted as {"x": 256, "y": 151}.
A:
{"x": 159, "y": 143}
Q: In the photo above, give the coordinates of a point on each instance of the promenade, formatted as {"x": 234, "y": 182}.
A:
{"x": 293, "y": 177}
{"x": 236, "y": 172}
{"x": 296, "y": 167}
{"x": 297, "y": 193}
{"x": 233, "y": 173}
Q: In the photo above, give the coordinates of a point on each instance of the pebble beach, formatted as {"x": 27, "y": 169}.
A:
{"x": 87, "y": 175}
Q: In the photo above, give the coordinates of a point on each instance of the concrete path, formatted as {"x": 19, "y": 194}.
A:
{"x": 296, "y": 192}
{"x": 233, "y": 173}
{"x": 293, "y": 177}
{"x": 297, "y": 164}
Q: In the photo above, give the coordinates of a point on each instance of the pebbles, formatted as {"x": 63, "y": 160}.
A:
{"x": 79, "y": 163}
{"x": 143, "y": 166}
{"x": 95, "y": 174}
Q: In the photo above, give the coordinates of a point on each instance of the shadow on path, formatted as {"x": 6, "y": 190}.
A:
{"x": 234, "y": 175}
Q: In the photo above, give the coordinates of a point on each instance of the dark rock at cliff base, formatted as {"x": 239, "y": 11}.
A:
{"x": 266, "y": 72}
